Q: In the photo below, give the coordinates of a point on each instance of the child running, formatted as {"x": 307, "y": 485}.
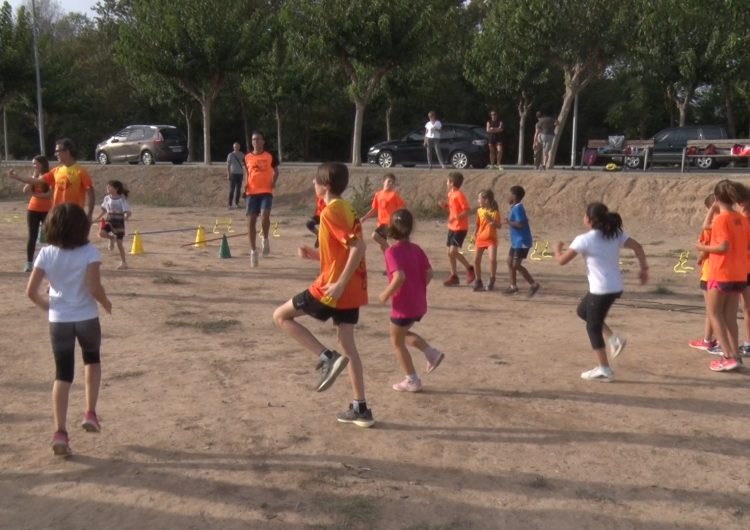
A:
{"x": 727, "y": 271}
{"x": 409, "y": 273}
{"x": 114, "y": 211}
{"x": 39, "y": 204}
{"x": 707, "y": 342}
{"x": 600, "y": 248}
{"x": 488, "y": 221}
{"x": 458, "y": 226}
{"x": 520, "y": 241}
{"x": 337, "y": 293}
{"x": 71, "y": 265}
{"x": 384, "y": 203}
{"x": 313, "y": 223}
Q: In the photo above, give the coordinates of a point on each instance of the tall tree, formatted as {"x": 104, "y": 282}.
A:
{"x": 366, "y": 39}
{"x": 16, "y": 68}
{"x": 196, "y": 44}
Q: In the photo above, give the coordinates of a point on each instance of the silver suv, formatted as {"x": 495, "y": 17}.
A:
{"x": 144, "y": 143}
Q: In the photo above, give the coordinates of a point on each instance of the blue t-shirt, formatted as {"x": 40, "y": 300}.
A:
{"x": 519, "y": 237}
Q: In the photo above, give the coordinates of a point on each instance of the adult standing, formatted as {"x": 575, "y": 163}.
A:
{"x": 68, "y": 182}
{"x": 262, "y": 174}
{"x": 432, "y": 130}
{"x": 496, "y": 139}
{"x": 545, "y": 135}
{"x": 235, "y": 174}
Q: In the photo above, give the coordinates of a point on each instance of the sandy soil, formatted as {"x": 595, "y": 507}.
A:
{"x": 209, "y": 420}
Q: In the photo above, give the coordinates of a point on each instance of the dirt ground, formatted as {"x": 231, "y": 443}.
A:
{"x": 209, "y": 419}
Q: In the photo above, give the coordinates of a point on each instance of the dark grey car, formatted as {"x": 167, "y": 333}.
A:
{"x": 144, "y": 143}
{"x": 669, "y": 143}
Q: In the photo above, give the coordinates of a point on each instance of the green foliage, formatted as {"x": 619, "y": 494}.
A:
{"x": 16, "y": 66}
{"x": 361, "y": 196}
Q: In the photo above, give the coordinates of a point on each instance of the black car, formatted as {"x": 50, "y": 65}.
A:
{"x": 461, "y": 146}
{"x": 669, "y": 143}
{"x": 144, "y": 143}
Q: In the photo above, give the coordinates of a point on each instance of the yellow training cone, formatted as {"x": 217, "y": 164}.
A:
{"x": 137, "y": 248}
{"x": 200, "y": 238}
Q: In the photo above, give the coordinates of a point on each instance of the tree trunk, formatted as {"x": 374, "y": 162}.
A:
{"x": 187, "y": 114}
{"x": 245, "y": 125}
{"x": 388, "y": 112}
{"x": 726, "y": 87}
{"x": 279, "y": 117}
{"x": 524, "y": 105}
{"x": 681, "y": 103}
{"x": 206, "y": 105}
{"x": 359, "y": 115}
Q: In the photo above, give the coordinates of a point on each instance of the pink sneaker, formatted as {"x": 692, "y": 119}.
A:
{"x": 434, "y": 358}
{"x": 724, "y": 364}
{"x": 60, "y": 443}
{"x": 702, "y": 344}
{"x": 470, "y": 275}
{"x": 91, "y": 422}
{"x": 408, "y": 386}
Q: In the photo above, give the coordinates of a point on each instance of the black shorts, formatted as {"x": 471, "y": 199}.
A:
{"x": 404, "y": 322}
{"x": 518, "y": 253}
{"x": 748, "y": 279}
{"x": 114, "y": 226}
{"x": 313, "y": 307}
{"x": 703, "y": 285}
{"x": 456, "y": 238}
{"x": 382, "y": 231}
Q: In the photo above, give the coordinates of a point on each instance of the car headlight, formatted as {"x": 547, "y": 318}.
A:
{"x": 373, "y": 150}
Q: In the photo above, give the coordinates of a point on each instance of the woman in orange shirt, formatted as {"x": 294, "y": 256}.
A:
{"x": 488, "y": 221}
{"x": 727, "y": 270}
{"x": 39, "y": 204}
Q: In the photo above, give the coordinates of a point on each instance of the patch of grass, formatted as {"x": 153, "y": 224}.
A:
{"x": 538, "y": 483}
{"x": 428, "y": 208}
{"x": 157, "y": 199}
{"x": 207, "y": 326}
{"x": 168, "y": 279}
{"x": 361, "y": 196}
{"x": 660, "y": 289}
{"x": 354, "y": 513}
{"x": 583, "y": 493}
{"x": 453, "y": 525}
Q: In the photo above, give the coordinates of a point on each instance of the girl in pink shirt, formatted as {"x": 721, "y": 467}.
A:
{"x": 409, "y": 272}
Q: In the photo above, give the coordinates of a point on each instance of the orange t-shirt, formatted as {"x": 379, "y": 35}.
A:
{"x": 339, "y": 226}
{"x": 487, "y": 221}
{"x": 320, "y": 204}
{"x": 705, "y": 239}
{"x": 69, "y": 184}
{"x": 731, "y": 266}
{"x": 260, "y": 171}
{"x": 37, "y": 204}
{"x": 457, "y": 204}
{"x": 386, "y": 202}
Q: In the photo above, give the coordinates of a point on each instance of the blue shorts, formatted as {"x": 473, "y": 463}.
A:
{"x": 255, "y": 203}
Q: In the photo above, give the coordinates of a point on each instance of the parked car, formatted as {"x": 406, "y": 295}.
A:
{"x": 144, "y": 143}
{"x": 461, "y": 146}
{"x": 669, "y": 143}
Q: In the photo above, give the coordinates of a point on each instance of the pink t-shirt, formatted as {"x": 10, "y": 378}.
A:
{"x": 410, "y": 301}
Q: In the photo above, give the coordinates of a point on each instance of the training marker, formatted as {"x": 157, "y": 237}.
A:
{"x": 224, "y": 250}
{"x": 137, "y": 248}
{"x": 200, "y": 238}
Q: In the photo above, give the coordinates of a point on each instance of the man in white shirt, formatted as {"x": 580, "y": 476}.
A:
{"x": 432, "y": 138}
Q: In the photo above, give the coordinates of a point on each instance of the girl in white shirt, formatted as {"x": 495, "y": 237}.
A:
{"x": 114, "y": 211}
{"x": 600, "y": 248}
{"x": 71, "y": 265}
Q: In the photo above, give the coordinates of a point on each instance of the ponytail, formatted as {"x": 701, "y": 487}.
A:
{"x": 608, "y": 223}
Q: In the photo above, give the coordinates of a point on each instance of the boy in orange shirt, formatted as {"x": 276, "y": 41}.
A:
{"x": 337, "y": 293}
{"x": 384, "y": 203}
{"x": 458, "y": 226}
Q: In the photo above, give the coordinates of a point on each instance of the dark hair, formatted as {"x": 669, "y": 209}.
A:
{"x": 609, "y": 223}
{"x": 730, "y": 192}
{"x": 67, "y": 226}
{"x": 456, "y": 179}
{"x": 119, "y": 186}
{"x": 518, "y": 192}
{"x": 334, "y": 175}
{"x": 43, "y": 161}
{"x": 68, "y": 145}
{"x": 401, "y": 225}
{"x": 709, "y": 200}
{"x": 389, "y": 176}
{"x": 490, "y": 196}
{"x": 259, "y": 132}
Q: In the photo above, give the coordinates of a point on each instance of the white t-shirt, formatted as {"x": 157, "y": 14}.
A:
{"x": 69, "y": 297}
{"x": 432, "y": 130}
{"x": 602, "y": 258}
{"x": 115, "y": 208}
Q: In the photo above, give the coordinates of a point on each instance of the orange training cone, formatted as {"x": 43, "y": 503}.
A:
{"x": 137, "y": 247}
{"x": 200, "y": 238}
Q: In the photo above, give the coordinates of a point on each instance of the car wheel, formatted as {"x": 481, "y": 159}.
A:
{"x": 385, "y": 159}
{"x": 705, "y": 162}
{"x": 103, "y": 158}
{"x": 633, "y": 162}
{"x": 459, "y": 160}
{"x": 147, "y": 158}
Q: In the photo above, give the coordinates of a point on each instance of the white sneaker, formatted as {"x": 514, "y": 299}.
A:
{"x": 253, "y": 258}
{"x": 29, "y": 267}
{"x": 266, "y": 246}
{"x": 616, "y": 344}
{"x": 600, "y": 373}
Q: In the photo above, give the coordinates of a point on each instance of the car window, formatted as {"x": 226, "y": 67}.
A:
{"x": 713, "y": 133}
{"x": 148, "y": 132}
{"x": 482, "y": 133}
{"x": 447, "y": 133}
{"x": 463, "y": 134}
{"x": 171, "y": 134}
{"x": 662, "y": 136}
{"x": 122, "y": 134}
{"x": 135, "y": 134}
{"x": 414, "y": 136}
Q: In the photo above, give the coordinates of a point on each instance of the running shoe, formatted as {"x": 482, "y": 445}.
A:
{"x": 603, "y": 374}
{"x": 434, "y": 358}
{"x": 745, "y": 350}
{"x": 330, "y": 370}
{"x": 266, "y": 247}
{"x": 510, "y": 290}
{"x": 451, "y": 281}
{"x": 470, "y": 275}
{"x": 724, "y": 364}
{"x": 702, "y": 344}
{"x": 491, "y": 284}
{"x": 715, "y": 350}
{"x": 406, "y": 385}
{"x": 478, "y": 285}
{"x": 253, "y": 258}
{"x": 91, "y": 422}
{"x": 60, "y": 443}
{"x": 360, "y": 419}
{"x": 616, "y": 344}
{"x": 533, "y": 289}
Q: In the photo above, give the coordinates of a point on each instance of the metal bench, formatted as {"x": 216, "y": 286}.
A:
{"x": 700, "y": 150}
{"x": 638, "y": 149}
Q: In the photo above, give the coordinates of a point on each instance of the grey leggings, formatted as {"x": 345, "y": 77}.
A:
{"x": 63, "y": 337}
{"x": 433, "y": 144}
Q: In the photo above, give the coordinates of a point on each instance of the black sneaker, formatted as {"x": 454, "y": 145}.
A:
{"x": 360, "y": 419}
{"x": 330, "y": 370}
{"x": 478, "y": 285}
{"x": 491, "y": 284}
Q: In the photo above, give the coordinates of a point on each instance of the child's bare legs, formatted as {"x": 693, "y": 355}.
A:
{"x": 493, "y": 263}
{"x": 121, "y": 249}
{"x": 517, "y": 264}
{"x": 398, "y": 340}
{"x": 455, "y": 256}
{"x": 512, "y": 271}
{"x": 284, "y": 316}
{"x": 252, "y": 229}
{"x": 380, "y": 240}
{"x": 349, "y": 349}
{"x": 478, "y": 264}
{"x": 265, "y": 223}
{"x": 93, "y": 378}
{"x": 60, "y": 394}
{"x": 730, "y": 317}
{"x": 745, "y": 313}
{"x": 719, "y": 310}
